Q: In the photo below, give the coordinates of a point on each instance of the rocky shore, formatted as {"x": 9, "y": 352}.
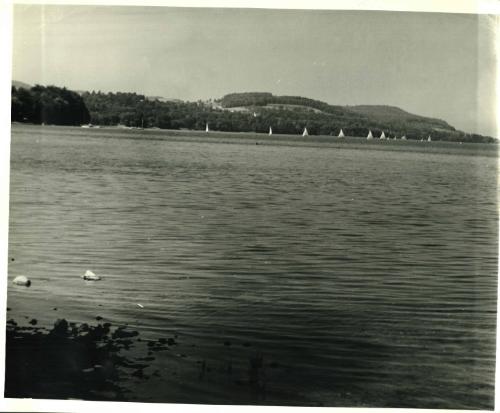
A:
{"x": 77, "y": 361}
{"x": 104, "y": 362}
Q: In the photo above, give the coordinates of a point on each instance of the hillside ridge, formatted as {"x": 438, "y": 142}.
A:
{"x": 257, "y": 112}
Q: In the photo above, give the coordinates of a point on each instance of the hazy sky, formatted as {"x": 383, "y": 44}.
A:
{"x": 439, "y": 65}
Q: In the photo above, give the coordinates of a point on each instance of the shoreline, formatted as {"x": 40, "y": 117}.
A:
{"x": 263, "y": 139}
{"x": 102, "y": 361}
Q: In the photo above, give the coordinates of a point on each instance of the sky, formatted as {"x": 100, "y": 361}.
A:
{"x": 433, "y": 64}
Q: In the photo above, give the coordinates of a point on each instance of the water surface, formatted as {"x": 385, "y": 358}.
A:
{"x": 351, "y": 274}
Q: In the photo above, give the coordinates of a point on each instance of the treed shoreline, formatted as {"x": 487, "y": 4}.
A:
{"x": 243, "y": 112}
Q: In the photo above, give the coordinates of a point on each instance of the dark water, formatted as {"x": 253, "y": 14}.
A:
{"x": 344, "y": 274}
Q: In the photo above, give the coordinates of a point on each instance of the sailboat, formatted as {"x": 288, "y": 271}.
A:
{"x": 305, "y": 132}
{"x": 206, "y": 128}
{"x": 341, "y": 134}
{"x": 382, "y": 136}
{"x": 429, "y": 138}
{"x": 370, "y": 136}
{"x": 270, "y": 130}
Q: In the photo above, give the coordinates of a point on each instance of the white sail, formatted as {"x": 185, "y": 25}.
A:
{"x": 206, "y": 128}
{"x": 305, "y": 132}
{"x": 429, "y": 138}
{"x": 370, "y": 136}
{"x": 382, "y": 136}
{"x": 341, "y": 134}
{"x": 270, "y": 130}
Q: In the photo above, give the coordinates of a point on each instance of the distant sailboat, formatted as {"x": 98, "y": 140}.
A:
{"x": 403, "y": 138}
{"x": 341, "y": 134}
{"x": 305, "y": 132}
{"x": 270, "y": 130}
{"x": 206, "y": 128}
{"x": 382, "y": 136}
{"x": 429, "y": 138}
{"x": 370, "y": 136}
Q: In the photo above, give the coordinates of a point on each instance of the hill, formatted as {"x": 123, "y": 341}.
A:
{"x": 392, "y": 114}
{"x": 322, "y": 118}
{"x": 48, "y": 105}
{"x": 236, "y": 112}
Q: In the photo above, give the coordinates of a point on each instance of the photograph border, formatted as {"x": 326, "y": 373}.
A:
{"x": 6, "y": 11}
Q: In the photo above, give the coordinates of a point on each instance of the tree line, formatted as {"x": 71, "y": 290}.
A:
{"x": 49, "y": 105}
{"x": 239, "y": 112}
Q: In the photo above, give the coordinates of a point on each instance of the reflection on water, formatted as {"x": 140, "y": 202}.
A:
{"x": 321, "y": 274}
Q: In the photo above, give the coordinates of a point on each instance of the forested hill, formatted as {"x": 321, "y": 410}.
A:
{"x": 356, "y": 120}
{"x": 236, "y": 112}
{"x": 48, "y": 104}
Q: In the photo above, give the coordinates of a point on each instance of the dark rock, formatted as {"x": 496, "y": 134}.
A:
{"x": 65, "y": 362}
{"x": 121, "y": 332}
{"x": 60, "y": 328}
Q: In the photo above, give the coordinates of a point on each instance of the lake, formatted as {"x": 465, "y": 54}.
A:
{"x": 300, "y": 271}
